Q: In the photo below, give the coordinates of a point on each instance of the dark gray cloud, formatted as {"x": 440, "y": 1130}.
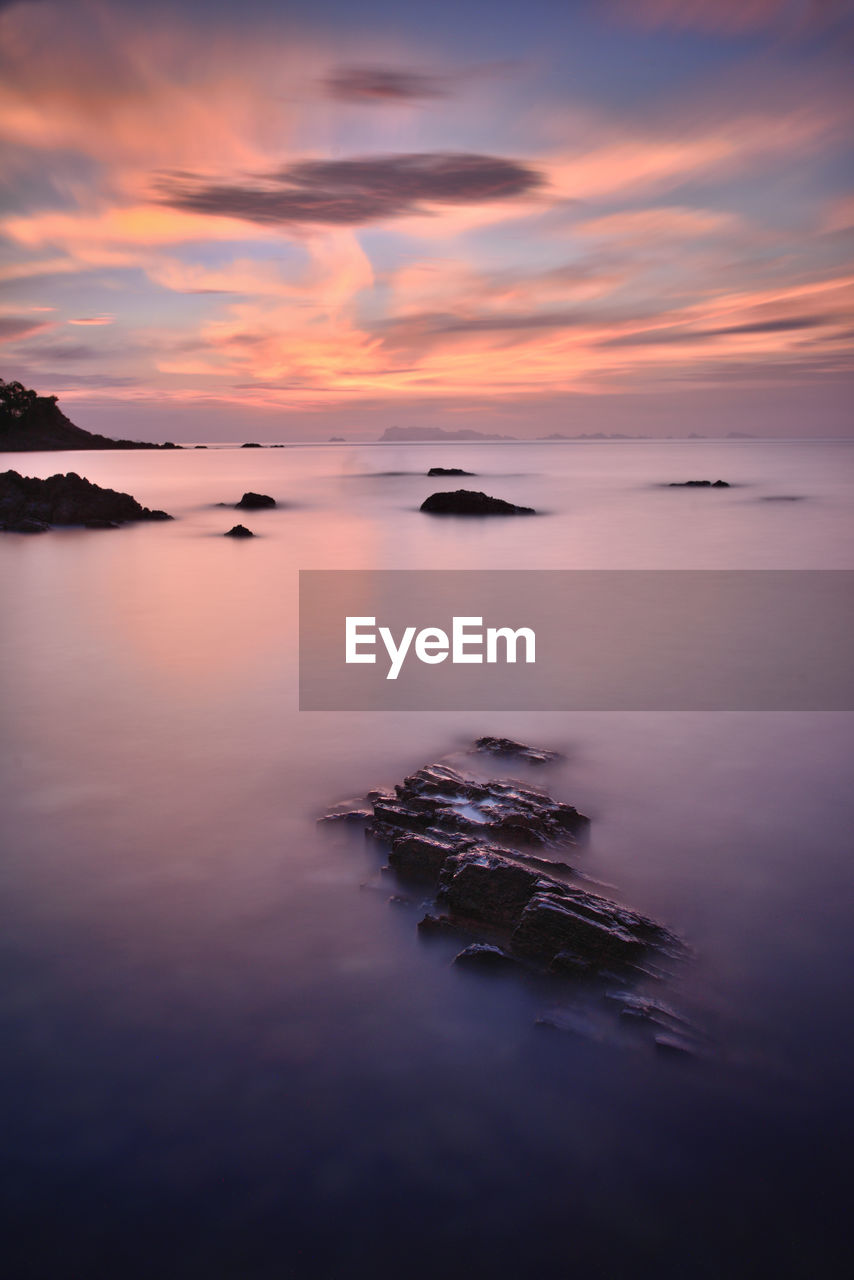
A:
{"x": 352, "y": 192}
{"x": 427, "y": 324}
{"x": 59, "y": 351}
{"x": 14, "y": 327}
{"x": 679, "y": 335}
{"x": 383, "y": 84}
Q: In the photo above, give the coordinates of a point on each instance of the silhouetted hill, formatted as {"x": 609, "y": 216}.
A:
{"x": 33, "y": 423}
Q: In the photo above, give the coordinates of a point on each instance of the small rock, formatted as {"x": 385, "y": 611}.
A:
{"x": 468, "y": 502}
{"x": 352, "y": 814}
{"x": 430, "y": 923}
{"x": 251, "y": 444}
{"x": 255, "y": 501}
{"x": 507, "y": 747}
{"x": 699, "y": 484}
{"x": 483, "y": 955}
{"x": 239, "y": 531}
{"x": 449, "y": 471}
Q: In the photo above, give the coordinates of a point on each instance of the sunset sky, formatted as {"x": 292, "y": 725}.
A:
{"x": 289, "y": 220}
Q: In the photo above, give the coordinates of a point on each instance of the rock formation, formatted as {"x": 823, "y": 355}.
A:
{"x": 26, "y": 502}
{"x": 468, "y": 502}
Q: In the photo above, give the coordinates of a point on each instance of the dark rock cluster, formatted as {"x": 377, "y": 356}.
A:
{"x": 448, "y": 471}
{"x": 468, "y": 502}
{"x": 29, "y": 505}
{"x": 471, "y": 841}
{"x": 699, "y": 484}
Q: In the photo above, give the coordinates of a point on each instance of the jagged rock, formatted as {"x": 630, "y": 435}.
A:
{"x": 483, "y": 955}
{"x": 483, "y": 884}
{"x": 449, "y": 471}
{"x": 420, "y": 857}
{"x": 496, "y": 810}
{"x": 354, "y": 814}
{"x": 571, "y": 964}
{"x": 463, "y": 835}
{"x": 699, "y": 484}
{"x": 507, "y": 747}
{"x": 255, "y": 501}
{"x": 558, "y": 920}
{"x": 66, "y": 499}
{"x": 468, "y": 502}
{"x": 431, "y": 924}
{"x": 239, "y": 531}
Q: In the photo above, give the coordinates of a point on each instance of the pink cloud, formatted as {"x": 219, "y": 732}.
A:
{"x": 92, "y": 320}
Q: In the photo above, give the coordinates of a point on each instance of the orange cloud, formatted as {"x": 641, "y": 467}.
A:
{"x": 93, "y": 320}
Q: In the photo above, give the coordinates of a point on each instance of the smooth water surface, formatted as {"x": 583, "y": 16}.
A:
{"x": 225, "y": 1054}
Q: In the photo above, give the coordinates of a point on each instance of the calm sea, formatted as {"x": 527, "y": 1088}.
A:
{"x": 225, "y": 1054}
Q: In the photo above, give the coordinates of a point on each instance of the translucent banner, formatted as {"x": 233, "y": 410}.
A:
{"x": 585, "y": 640}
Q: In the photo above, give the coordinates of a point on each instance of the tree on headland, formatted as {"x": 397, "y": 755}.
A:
{"x": 33, "y": 423}
{"x": 16, "y": 400}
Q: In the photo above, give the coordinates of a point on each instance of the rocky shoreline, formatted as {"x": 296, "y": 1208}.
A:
{"x": 30, "y": 505}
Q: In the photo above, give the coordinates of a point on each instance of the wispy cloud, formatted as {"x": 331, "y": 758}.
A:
{"x": 269, "y": 221}
{"x": 14, "y": 327}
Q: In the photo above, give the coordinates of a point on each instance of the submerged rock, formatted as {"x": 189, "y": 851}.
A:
{"x": 699, "y": 484}
{"x": 239, "y": 531}
{"x": 26, "y": 502}
{"x": 507, "y": 747}
{"x": 468, "y": 502}
{"x": 255, "y": 501}
{"x": 449, "y": 471}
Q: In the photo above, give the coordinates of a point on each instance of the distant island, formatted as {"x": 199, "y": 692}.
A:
{"x": 419, "y": 435}
{"x": 413, "y": 435}
{"x": 30, "y": 423}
